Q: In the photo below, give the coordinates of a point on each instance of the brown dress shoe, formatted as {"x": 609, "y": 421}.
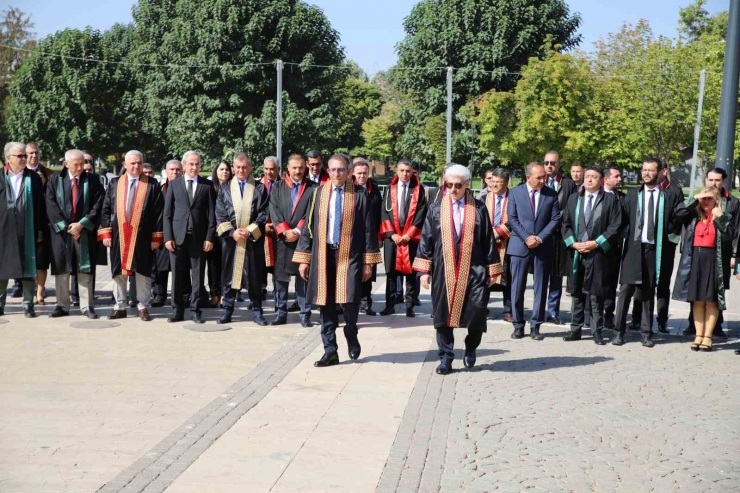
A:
{"x": 116, "y": 314}
{"x": 144, "y": 315}
{"x": 509, "y": 318}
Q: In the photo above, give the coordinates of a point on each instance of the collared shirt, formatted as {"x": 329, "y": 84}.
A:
{"x": 400, "y": 190}
{"x": 292, "y": 184}
{"x": 315, "y": 179}
{"x": 16, "y": 181}
{"x": 461, "y": 204}
{"x": 645, "y": 202}
{"x": 332, "y": 205}
{"x": 536, "y": 198}
{"x": 195, "y": 184}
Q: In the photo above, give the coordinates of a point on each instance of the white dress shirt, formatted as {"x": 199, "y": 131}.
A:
{"x": 332, "y": 204}
{"x": 16, "y": 181}
{"x": 293, "y": 182}
{"x": 400, "y": 190}
{"x": 536, "y": 198}
{"x": 645, "y": 201}
{"x": 195, "y": 184}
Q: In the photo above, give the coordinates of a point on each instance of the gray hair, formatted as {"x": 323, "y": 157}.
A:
{"x": 171, "y": 161}
{"x": 134, "y": 153}
{"x": 190, "y": 153}
{"x": 274, "y": 160}
{"x": 74, "y": 153}
{"x": 242, "y": 156}
{"x": 13, "y": 145}
{"x": 530, "y": 168}
{"x": 459, "y": 171}
{"x": 501, "y": 173}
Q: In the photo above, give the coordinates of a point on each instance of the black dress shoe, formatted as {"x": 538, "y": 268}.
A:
{"x": 573, "y": 336}
{"x": 618, "y": 339}
{"x": 306, "y": 321}
{"x": 59, "y": 312}
{"x": 259, "y": 319}
{"x": 2, "y": 312}
{"x": 197, "y": 318}
{"x": 225, "y": 318}
{"x": 280, "y": 320}
{"x": 662, "y": 328}
{"x": 647, "y": 342}
{"x": 517, "y": 334}
{"x": 90, "y": 313}
{"x": 689, "y": 331}
{"x": 633, "y": 326}
{"x": 737, "y": 351}
{"x": 370, "y": 312}
{"x": 239, "y": 297}
{"x": 598, "y": 340}
{"x": 328, "y": 359}
{"x": 535, "y": 334}
{"x": 387, "y": 311}
{"x": 294, "y": 307}
{"x": 469, "y": 359}
{"x": 29, "y": 312}
{"x": 410, "y": 312}
{"x": 158, "y": 302}
{"x": 354, "y": 353}
{"x": 250, "y": 306}
{"x": 16, "y": 292}
{"x": 176, "y": 317}
{"x": 555, "y": 320}
{"x": 443, "y": 369}
{"x": 417, "y": 302}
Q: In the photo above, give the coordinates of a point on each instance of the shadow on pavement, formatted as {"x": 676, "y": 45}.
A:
{"x": 420, "y": 356}
{"x": 542, "y": 364}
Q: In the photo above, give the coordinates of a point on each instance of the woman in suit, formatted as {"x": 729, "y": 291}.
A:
{"x": 704, "y": 269}
{"x": 222, "y": 174}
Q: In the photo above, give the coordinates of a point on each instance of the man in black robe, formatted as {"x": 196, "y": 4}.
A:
{"x": 22, "y": 224}
{"x": 459, "y": 261}
{"x": 131, "y": 226}
{"x": 612, "y": 180}
{"x": 403, "y": 213}
{"x": 242, "y": 211}
{"x": 74, "y": 201}
{"x": 289, "y": 202}
{"x": 653, "y": 214}
{"x": 564, "y": 187}
{"x": 361, "y": 173}
{"x": 591, "y": 229}
{"x": 336, "y": 252}
{"x": 161, "y": 269}
{"x": 496, "y": 199}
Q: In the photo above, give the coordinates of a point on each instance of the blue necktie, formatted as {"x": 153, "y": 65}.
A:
{"x": 337, "y": 216}
{"x": 497, "y": 214}
{"x": 587, "y": 215}
{"x": 294, "y": 193}
{"x": 241, "y": 187}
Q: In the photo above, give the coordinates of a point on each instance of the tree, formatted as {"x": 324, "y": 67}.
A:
{"x": 360, "y": 101}
{"x": 381, "y": 133}
{"x": 189, "y": 104}
{"x": 16, "y": 33}
{"x": 694, "y": 21}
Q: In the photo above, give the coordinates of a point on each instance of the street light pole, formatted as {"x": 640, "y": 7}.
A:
{"x": 728, "y": 104}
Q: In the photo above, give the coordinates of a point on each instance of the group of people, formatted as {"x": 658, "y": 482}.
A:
{"x": 324, "y": 228}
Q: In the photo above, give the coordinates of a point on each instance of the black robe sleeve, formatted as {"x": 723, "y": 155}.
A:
{"x": 168, "y": 214}
{"x": 211, "y": 231}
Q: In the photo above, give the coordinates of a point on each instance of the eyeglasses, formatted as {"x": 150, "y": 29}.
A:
{"x": 337, "y": 170}
{"x": 88, "y": 161}
{"x": 457, "y": 186}
{"x": 20, "y": 156}
{"x": 553, "y": 163}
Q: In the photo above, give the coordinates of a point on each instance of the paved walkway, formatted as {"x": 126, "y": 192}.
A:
{"x": 155, "y": 407}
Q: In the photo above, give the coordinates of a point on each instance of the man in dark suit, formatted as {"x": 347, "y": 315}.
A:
{"x": 361, "y": 173}
{"x": 534, "y": 220}
{"x": 564, "y": 187}
{"x": 189, "y": 232}
{"x": 612, "y": 180}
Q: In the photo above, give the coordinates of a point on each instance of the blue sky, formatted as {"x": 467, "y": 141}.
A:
{"x": 371, "y": 29}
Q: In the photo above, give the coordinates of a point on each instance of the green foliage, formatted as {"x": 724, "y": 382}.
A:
{"x": 435, "y": 140}
{"x": 381, "y": 133}
{"x": 694, "y": 21}
{"x": 16, "y": 30}
{"x": 360, "y": 102}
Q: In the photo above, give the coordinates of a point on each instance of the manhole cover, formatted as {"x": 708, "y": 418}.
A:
{"x": 4, "y": 321}
{"x": 206, "y": 327}
{"x": 94, "y": 324}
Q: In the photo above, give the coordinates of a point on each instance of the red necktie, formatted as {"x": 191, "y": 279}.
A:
{"x": 75, "y": 193}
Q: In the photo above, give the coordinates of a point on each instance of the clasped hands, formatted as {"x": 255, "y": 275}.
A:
{"x": 533, "y": 242}
{"x": 367, "y": 271}
{"x": 400, "y": 240}
{"x": 170, "y": 245}
{"x": 585, "y": 246}
{"x": 426, "y": 281}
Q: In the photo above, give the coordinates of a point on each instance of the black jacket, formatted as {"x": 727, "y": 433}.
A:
{"x": 179, "y": 207}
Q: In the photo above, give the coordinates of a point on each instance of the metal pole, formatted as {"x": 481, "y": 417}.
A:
{"x": 448, "y": 155}
{"x": 279, "y": 137}
{"x": 697, "y": 131}
{"x": 728, "y": 104}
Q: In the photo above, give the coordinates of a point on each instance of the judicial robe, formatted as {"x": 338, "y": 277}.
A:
{"x": 90, "y": 199}
{"x": 501, "y": 233}
{"x": 287, "y": 217}
{"x": 565, "y": 187}
{"x": 161, "y": 254}
{"x": 22, "y": 222}
{"x": 130, "y": 251}
{"x": 594, "y": 273}
{"x": 323, "y": 177}
{"x": 271, "y": 239}
{"x": 400, "y": 258}
{"x": 670, "y": 216}
{"x": 358, "y": 245}
{"x": 242, "y": 264}
{"x": 460, "y": 267}
{"x": 375, "y": 203}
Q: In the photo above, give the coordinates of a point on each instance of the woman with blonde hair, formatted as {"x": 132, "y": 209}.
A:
{"x": 704, "y": 270}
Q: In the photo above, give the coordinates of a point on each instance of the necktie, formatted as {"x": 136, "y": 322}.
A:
{"x": 456, "y": 217}
{"x": 402, "y": 206}
{"x": 651, "y": 217}
{"x": 269, "y": 186}
{"x": 589, "y": 208}
{"x": 294, "y": 193}
{"x": 551, "y": 183}
{"x": 337, "y": 216}
{"x": 130, "y": 200}
{"x": 75, "y": 196}
{"x": 241, "y": 188}
{"x": 497, "y": 213}
{"x": 190, "y": 188}
{"x": 532, "y": 202}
